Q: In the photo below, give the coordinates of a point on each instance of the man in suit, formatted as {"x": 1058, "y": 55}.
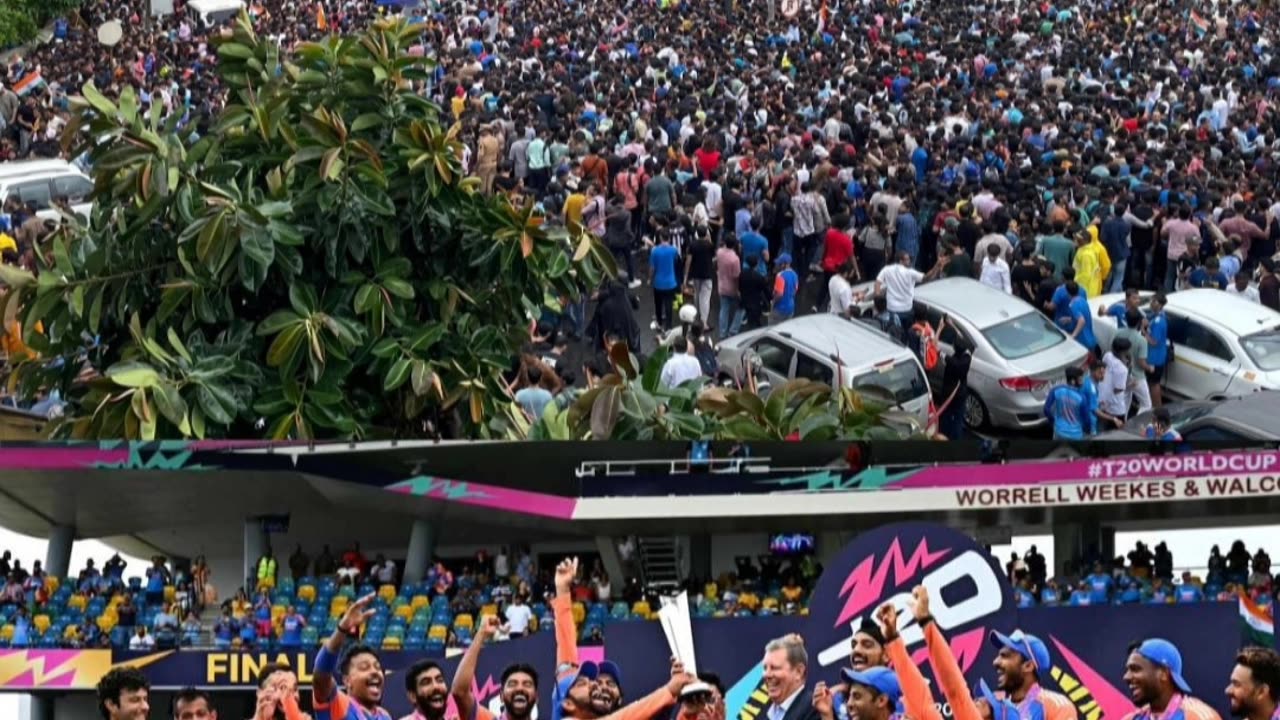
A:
{"x": 786, "y": 665}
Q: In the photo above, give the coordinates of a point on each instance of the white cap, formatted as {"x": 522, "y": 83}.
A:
{"x": 694, "y": 688}
{"x": 688, "y": 313}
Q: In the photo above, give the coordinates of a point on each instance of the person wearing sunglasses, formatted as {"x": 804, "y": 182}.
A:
{"x": 1020, "y": 660}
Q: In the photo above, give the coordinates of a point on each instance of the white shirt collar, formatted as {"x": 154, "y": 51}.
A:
{"x": 785, "y": 705}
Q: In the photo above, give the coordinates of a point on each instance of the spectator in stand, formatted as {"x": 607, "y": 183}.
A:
{"x": 262, "y": 615}
{"x": 1081, "y": 596}
{"x": 355, "y": 558}
{"x": 291, "y": 626}
{"x": 299, "y": 563}
{"x": 440, "y": 578}
{"x": 142, "y": 640}
{"x": 519, "y": 616}
{"x": 225, "y": 630}
{"x": 1099, "y": 584}
{"x": 1238, "y": 561}
{"x": 325, "y": 564}
{"x": 127, "y": 613}
{"x": 1189, "y": 591}
{"x": 87, "y": 583}
{"x": 13, "y": 593}
{"x": 1050, "y": 594}
{"x": 267, "y": 570}
{"x": 502, "y": 565}
{"x": 157, "y": 578}
{"x": 1164, "y": 562}
{"x": 603, "y": 590}
{"x": 166, "y": 627}
{"x": 191, "y": 630}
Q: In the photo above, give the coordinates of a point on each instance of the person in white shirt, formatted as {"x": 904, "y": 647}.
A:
{"x": 143, "y": 640}
{"x": 682, "y": 366}
{"x": 995, "y": 271}
{"x": 898, "y": 283}
{"x": 840, "y": 291}
{"x": 501, "y": 565}
{"x": 518, "y": 617}
{"x": 1113, "y": 391}
{"x": 1240, "y": 286}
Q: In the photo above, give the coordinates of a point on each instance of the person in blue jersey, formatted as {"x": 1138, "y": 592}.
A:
{"x": 1081, "y": 323}
{"x": 1100, "y": 584}
{"x": 1157, "y": 346}
{"x": 1118, "y": 310}
{"x": 1161, "y": 427}
{"x": 1153, "y": 673}
{"x": 785, "y": 285}
{"x": 1066, "y": 407}
{"x": 359, "y": 667}
{"x": 1253, "y": 692}
{"x": 1188, "y": 592}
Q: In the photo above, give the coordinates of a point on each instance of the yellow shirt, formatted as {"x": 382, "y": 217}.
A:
{"x": 1088, "y": 270}
{"x": 459, "y": 104}
{"x": 573, "y": 208}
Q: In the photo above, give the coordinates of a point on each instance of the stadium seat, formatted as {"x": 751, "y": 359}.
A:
{"x": 489, "y": 609}
{"x": 392, "y": 642}
{"x": 579, "y": 613}
{"x": 170, "y": 592}
{"x": 387, "y": 593}
{"x": 464, "y": 621}
{"x": 420, "y": 601}
{"x": 438, "y": 632}
{"x": 41, "y": 623}
{"x": 641, "y": 610}
{"x": 71, "y": 632}
{"x": 6, "y": 632}
{"x": 77, "y": 601}
{"x": 307, "y": 593}
{"x": 404, "y": 612}
{"x": 619, "y": 611}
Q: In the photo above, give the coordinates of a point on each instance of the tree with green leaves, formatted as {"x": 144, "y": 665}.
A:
{"x": 316, "y": 265}
{"x": 631, "y": 404}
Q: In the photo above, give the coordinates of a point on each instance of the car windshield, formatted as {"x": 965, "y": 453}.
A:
{"x": 1179, "y": 416}
{"x": 1263, "y": 349}
{"x": 1024, "y": 335}
{"x": 904, "y": 380}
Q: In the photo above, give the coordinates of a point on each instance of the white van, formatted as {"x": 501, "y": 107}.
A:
{"x": 41, "y": 181}
{"x": 831, "y": 350}
{"x": 214, "y": 13}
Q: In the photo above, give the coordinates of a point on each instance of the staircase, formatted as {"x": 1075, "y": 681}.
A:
{"x": 660, "y": 563}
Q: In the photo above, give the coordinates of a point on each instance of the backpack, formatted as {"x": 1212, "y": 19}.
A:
{"x": 929, "y": 353}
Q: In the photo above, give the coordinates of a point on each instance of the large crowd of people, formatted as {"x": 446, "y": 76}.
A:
{"x": 753, "y": 160}
{"x": 290, "y": 603}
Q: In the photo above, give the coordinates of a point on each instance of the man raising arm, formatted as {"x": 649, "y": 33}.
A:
{"x": 360, "y": 668}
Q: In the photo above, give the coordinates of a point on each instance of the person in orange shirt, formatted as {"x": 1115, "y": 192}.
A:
{"x": 1020, "y": 661}
{"x": 917, "y": 700}
{"x": 585, "y": 690}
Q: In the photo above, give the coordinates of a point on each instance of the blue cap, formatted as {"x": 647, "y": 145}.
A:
{"x": 1028, "y": 646}
{"x": 1166, "y": 655}
{"x": 610, "y": 668}
{"x": 1000, "y": 709}
{"x": 881, "y": 679}
{"x": 588, "y": 670}
{"x": 784, "y": 259}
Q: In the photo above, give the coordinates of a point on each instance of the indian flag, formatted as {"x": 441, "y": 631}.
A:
{"x": 1258, "y": 627}
{"x": 1199, "y": 22}
{"x": 28, "y": 84}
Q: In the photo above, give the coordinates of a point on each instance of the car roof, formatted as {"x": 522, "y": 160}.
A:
{"x": 1232, "y": 312}
{"x": 215, "y": 5}
{"x": 26, "y": 168}
{"x": 1256, "y": 410}
{"x": 982, "y": 305}
{"x": 826, "y": 335}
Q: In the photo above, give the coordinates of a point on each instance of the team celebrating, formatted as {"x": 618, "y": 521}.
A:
{"x": 882, "y": 682}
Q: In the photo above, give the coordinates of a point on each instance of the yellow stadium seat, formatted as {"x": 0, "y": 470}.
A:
{"x": 387, "y": 593}
{"x": 391, "y": 642}
{"x": 307, "y": 593}
{"x": 277, "y": 613}
{"x": 6, "y": 632}
{"x": 76, "y": 602}
{"x": 490, "y": 609}
{"x": 804, "y": 611}
{"x": 533, "y": 624}
{"x": 116, "y": 600}
{"x": 579, "y": 613}
{"x": 641, "y": 609}
{"x": 106, "y": 623}
{"x": 770, "y": 603}
{"x": 438, "y": 632}
{"x": 52, "y": 584}
{"x": 404, "y": 612}
{"x": 464, "y": 621}
{"x": 71, "y": 633}
{"x": 170, "y": 592}
{"x": 710, "y": 591}
{"x": 419, "y": 601}
{"x": 41, "y": 623}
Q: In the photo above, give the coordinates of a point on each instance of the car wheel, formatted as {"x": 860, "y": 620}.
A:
{"x": 975, "y": 412}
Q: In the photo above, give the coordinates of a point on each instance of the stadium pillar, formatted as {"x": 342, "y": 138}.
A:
{"x": 41, "y": 707}
{"x": 57, "y": 559}
{"x": 1074, "y": 543}
{"x": 255, "y": 543}
{"x": 608, "y": 549}
{"x": 422, "y": 546}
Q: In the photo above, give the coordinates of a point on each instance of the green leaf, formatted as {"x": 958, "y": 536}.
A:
{"x": 605, "y": 411}
{"x": 397, "y": 375}
{"x": 211, "y": 399}
{"x": 421, "y": 377}
{"x": 399, "y": 288}
{"x": 277, "y": 321}
{"x": 178, "y": 346}
{"x": 235, "y": 51}
{"x": 286, "y": 344}
{"x": 367, "y": 297}
{"x": 171, "y": 405}
{"x": 366, "y": 121}
{"x": 133, "y": 375}
{"x": 77, "y": 301}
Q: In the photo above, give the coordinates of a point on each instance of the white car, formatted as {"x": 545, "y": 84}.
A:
{"x": 1223, "y": 345}
{"x": 41, "y": 181}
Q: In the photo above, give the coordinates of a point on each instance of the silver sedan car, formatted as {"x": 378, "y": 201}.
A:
{"x": 1018, "y": 353}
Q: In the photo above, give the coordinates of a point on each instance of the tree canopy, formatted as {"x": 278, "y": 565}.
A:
{"x": 315, "y": 265}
